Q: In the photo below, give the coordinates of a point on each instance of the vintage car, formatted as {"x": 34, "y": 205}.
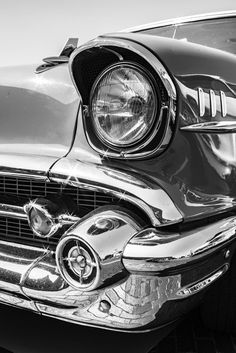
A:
{"x": 117, "y": 168}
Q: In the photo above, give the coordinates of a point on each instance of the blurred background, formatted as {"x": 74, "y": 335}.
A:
{"x": 31, "y": 30}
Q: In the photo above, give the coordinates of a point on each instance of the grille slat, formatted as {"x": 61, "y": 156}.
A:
{"x": 27, "y": 189}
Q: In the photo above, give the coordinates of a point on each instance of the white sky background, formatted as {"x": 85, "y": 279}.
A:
{"x": 33, "y": 29}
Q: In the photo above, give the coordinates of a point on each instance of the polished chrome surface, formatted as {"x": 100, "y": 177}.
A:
{"x": 166, "y": 113}
{"x": 134, "y": 301}
{"x": 223, "y": 104}
{"x": 168, "y": 108}
{"x": 12, "y": 211}
{"x": 29, "y": 187}
{"x": 197, "y": 287}
{"x": 25, "y": 166}
{"x": 201, "y": 102}
{"x": 43, "y": 67}
{"x": 180, "y": 20}
{"x": 116, "y": 53}
{"x": 151, "y": 199}
{"x": 152, "y": 250}
{"x": 68, "y": 219}
{"x": 18, "y": 230}
{"x": 65, "y": 203}
{"x": 52, "y": 61}
{"x": 69, "y": 47}
{"x": 210, "y": 103}
{"x": 54, "y": 215}
{"x": 78, "y": 263}
{"x": 15, "y": 260}
{"x": 213, "y": 103}
{"x": 90, "y": 254}
{"x": 212, "y": 127}
{"x": 146, "y": 54}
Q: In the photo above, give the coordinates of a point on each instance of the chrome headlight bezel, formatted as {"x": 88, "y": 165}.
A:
{"x": 86, "y": 65}
{"x": 153, "y": 123}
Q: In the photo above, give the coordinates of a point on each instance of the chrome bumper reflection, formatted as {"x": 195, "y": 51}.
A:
{"x": 131, "y": 304}
{"x": 154, "y": 250}
{"x": 134, "y": 301}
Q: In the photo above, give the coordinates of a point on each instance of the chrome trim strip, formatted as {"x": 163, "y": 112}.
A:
{"x": 197, "y": 287}
{"x": 13, "y": 300}
{"x": 25, "y": 166}
{"x": 201, "y": 101}
{"x": 118, "y": 55}
{"x": 154, "y": 251}
{"x": 223, "y": 104}
{"x": 182, "y": 20}
{"x": 213, "y": 103}
{"x": 54, "y": 60}
{"x": 67, "y": 219}
{"x": 150, "y": 198}
{"x": 134, "y": 47}
{"x": 24, "y": 174}
{"x": 25, "y": 274}
{"x": 12, "y": 211}
{"x": 217, "y": 127}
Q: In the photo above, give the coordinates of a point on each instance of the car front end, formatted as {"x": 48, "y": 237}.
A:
{"x": 117, "y": 209}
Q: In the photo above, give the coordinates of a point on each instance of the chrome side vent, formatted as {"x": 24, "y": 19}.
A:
{"x": 211, "y": 104}
{"x": 202, "y": 97}
{"x": 223, "y": 104}
{"x": 201, "y": 102}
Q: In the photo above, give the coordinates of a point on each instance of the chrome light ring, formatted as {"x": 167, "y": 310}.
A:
{"x": 155, "y": 118}
{"x": 46, "y": 217}
{"x": 78, "y": 263}
{"x": 168, "y": 103}
{"x": 35, "y": 222}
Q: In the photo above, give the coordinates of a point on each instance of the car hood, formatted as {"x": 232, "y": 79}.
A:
{"x": 37, "y": 111}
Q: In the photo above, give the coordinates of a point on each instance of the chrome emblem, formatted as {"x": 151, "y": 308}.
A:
{"x": 46, "y": 217}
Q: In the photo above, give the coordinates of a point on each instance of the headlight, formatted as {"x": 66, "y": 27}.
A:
{"x": 123, "y": 105}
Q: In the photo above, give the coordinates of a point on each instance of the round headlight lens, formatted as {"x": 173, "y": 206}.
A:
{"x": 123, "y": 105}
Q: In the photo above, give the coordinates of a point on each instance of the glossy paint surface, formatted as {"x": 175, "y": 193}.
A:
{"x": 25, "y": 165}
{"x": 38, "y": 111}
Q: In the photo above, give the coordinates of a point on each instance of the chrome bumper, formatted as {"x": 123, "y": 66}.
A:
{"x": 156, "y": 271}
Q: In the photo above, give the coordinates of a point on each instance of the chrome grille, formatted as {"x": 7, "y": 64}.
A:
{"x": 21, "y": 190}
{"x": 29, "y": 188}
{"x": 18, "y": 230}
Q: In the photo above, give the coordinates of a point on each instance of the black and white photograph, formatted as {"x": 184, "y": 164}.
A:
{"x": 117, "y": 176}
